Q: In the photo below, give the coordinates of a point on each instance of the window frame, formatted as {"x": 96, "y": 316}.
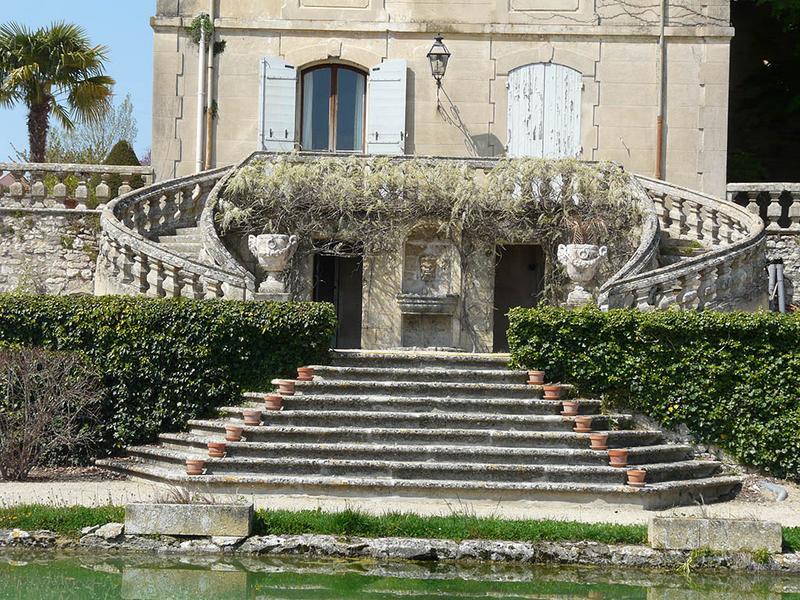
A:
{"x": 333, "y": 106}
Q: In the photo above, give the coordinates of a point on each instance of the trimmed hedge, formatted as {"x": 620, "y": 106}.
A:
{"x": 168, "y": 360}
{"x": 732, "y": 378}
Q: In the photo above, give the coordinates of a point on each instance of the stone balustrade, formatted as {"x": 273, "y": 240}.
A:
{"x": 45, "y": 185}
{"x": 131, "y": 260}
{"x": 729, "y": 275}
{"x": 778, "y": 204}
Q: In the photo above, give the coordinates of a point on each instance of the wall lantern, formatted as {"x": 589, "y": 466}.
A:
{"x": 438, "y": 57}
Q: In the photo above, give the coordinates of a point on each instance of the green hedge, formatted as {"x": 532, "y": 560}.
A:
{"x": 166, "y": 361}
{"x": 732, "y": 378}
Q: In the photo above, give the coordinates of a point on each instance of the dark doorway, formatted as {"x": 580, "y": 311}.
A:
{"x": 518, "y": 276}
{"x": 337, "y": 279}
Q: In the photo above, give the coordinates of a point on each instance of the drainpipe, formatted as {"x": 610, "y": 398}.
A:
{"x": 201, "y": 99}
{"x": 210, "y": 88}
{"x": 662, "y": 67}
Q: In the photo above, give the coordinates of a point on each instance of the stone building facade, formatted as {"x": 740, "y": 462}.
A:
{"x": 579, "y": 78}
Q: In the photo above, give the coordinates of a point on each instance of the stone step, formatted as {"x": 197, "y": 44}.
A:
{"x": 423, "y": 453}
{"x": 452, "y": 471}
{"x": 497, "y": 406}
{"x": 451, "y": 420}
{"x": 287, "y": 433}
{"x": 428, "y": 374}
{"x": 654, "y": 496}
{"x": 187, "y": 249}
{"x": 426, "y": 389}
{"x": 189, "y": 232}
{"x": 410, "y": 359}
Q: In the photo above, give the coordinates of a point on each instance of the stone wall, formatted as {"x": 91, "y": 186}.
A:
{"x": 613, "y": 45}
{"x": 48, "y": 251}
{"x": 787, "y": 247}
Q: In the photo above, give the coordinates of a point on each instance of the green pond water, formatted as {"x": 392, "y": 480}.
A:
{"x": 33, "y": 576}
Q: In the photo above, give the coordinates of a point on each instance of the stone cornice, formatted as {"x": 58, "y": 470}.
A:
{"x": 493, "y": 29}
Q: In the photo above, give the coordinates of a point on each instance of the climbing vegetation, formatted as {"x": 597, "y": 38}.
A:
{"x": 378, "y": 201}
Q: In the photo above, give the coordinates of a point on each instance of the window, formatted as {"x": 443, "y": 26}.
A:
{"x": 544, "y": 111}
{"x": 333, "y": 109}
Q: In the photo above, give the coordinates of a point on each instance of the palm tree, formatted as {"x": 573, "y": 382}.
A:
{"x": 53, "y": 70}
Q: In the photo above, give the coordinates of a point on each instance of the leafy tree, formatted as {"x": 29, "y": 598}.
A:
{"x": 53, "y": 71}
{"x": 122, "y": 154}
{"x": 91, "y": 142}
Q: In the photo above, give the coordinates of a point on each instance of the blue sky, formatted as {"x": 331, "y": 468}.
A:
{"x": 122, "y": 26}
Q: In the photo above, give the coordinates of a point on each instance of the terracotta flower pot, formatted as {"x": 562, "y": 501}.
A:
{"x": 273, "y": 401}
{"x": 252, "y": 416}
{"x": 195, "y": 466}
{"x": 233, "y": 433}
{"x": 552, "y": 392}
{"x": 286, "y": 387}
{"x": 618, "y": 458}
{"x": 636, "y": 477}
{"x": 216, "y": 449}
{"x": 305, "y": 374}
{"x": 583, "y": 424}
{"x": 599, "y": 441}
{"x": 535, "y": 377}
{"x": 570, "y": 409}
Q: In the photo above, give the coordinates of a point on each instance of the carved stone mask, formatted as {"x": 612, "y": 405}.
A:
{"x": 427, "y": 267}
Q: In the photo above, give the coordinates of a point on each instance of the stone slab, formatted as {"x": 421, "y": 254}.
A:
{"x": 724, "y": 535}
{"x": 189, "y": 519}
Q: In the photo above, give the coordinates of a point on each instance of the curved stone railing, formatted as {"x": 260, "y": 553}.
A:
{"x": 131, "y": 261}
{"x": 48, "y": 185}
{"x": 730, "y": 275}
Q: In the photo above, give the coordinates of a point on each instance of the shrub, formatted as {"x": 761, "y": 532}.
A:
{"x": 168, "y": 360}
{"x": 732, "y": 378}
{"x": 47, "y": 403}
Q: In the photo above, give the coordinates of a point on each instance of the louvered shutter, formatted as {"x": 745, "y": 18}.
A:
{"x": 544, "y": 111}
{"x": 278, "y": 98}
{"x": 386, "y": 108}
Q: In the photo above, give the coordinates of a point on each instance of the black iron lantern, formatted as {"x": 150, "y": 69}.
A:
{"x": 438, "y": 57}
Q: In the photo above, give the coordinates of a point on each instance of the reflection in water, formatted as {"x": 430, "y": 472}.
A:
{"x": 144, "y": 577}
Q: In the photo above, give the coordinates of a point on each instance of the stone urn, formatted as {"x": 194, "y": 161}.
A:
{"x": 581, "y": 262}
{"x": 273, "y": 251}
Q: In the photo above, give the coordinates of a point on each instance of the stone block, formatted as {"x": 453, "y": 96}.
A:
{"x": 189, "y": 519}
{"x": 724, "y": 535}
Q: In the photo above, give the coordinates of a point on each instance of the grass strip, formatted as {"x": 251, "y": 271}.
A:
{"x": 64, "y": 520}
{"x": 451, "y": 527}
{"x": 69, "y": 520}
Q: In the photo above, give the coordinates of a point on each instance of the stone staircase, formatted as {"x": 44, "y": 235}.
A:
{"x": 424, "y": 425}
{"x": 186, "y": 241}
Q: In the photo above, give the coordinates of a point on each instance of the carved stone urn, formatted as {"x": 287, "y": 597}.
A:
{"x": 581, "y": 262}
{"x": 273, "y": 252}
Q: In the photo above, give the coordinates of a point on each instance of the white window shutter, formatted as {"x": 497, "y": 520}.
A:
{"x": 386, "y": 108}
{"x": 278, "y": 99}
{"x": 544, "y": 111}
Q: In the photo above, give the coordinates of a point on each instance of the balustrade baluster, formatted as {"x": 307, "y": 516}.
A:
{"x": 172, "y": 281}
{"x": 195, "y": 286}
{"x": 677, "y": 217}
{"x": 213, "y": 289}
{"x": 129, "y": 269}
{"x": 774, "y": 209}
{"x": 694, "y": 222}
{"x": 16, "y": 190}
{"x": 81, "y": 192}
{"x": 794, "y": 213}
{"x": 60, "y": 191}
{"x": 752, "y": 201}
{"x": 102, "y": 192}
{"x": 185, "y": 203}
{"x": 154, "y": 213}
{"x": 156, "y": 278}
{"x": 168, "y": 213}
{"x": 142, "y": 271}
{"x": 38, "y": 190}
{"x": 126, "y": 184}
